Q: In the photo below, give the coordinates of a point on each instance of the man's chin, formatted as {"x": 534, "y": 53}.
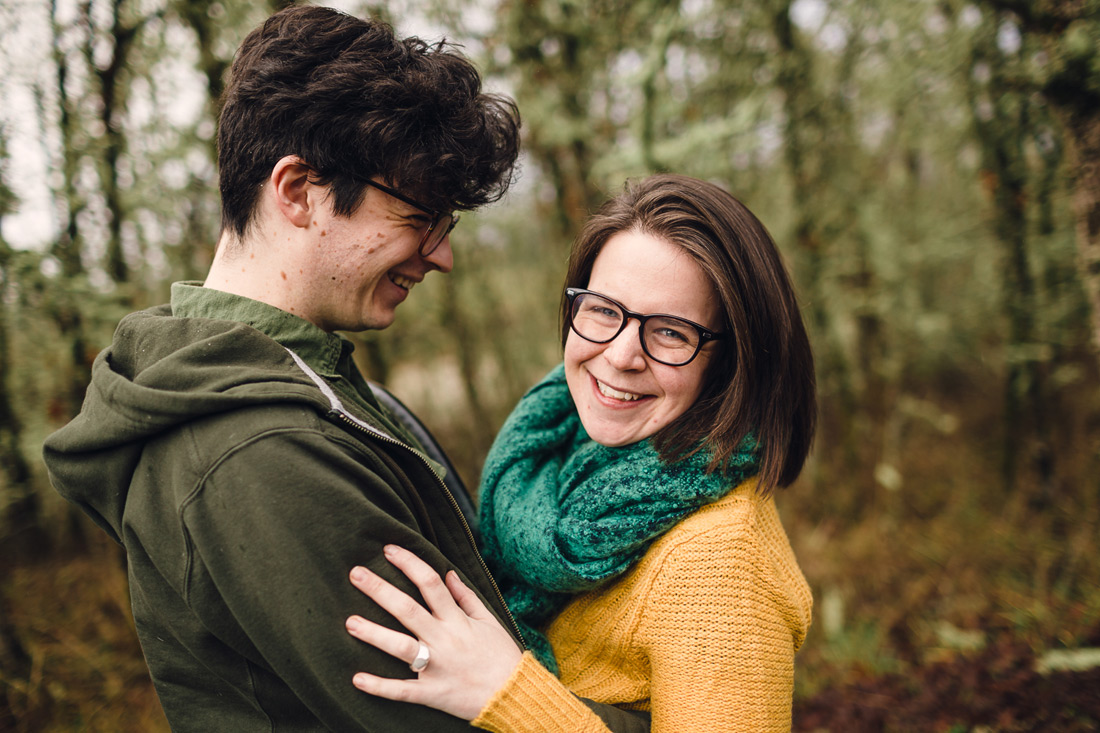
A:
{"x": 378, "y": 321}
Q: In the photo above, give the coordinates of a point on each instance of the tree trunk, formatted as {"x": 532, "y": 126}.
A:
{"x": 14, "y": 465}
{"x": 67, "y": 248}
{"x": 1069, "y": 31}
{"x": 1083, "y": 127}
{"x": 1002, "y": 120}
{"x": 819, "y": 146}
{"x": 561, "y": 143}
{"x": 111, "y": 101}
{"x": 21, "y": 530}
{"x": 457, "y": 324}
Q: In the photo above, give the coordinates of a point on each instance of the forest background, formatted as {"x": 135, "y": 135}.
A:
{"x": 930, "y": 170}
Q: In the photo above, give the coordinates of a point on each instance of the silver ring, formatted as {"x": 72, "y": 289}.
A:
{"x": 420, "y": 661}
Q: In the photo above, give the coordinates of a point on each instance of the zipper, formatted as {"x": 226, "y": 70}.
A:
{"x": 347, "y": 419}
{"x": 337, "y": 408}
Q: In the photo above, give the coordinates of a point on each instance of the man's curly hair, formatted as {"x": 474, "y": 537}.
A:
{"x": 354, "y": 102}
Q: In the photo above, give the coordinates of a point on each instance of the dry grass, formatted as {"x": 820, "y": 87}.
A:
{"x": 75, "y": 663}
{"x": 922, "y": 598}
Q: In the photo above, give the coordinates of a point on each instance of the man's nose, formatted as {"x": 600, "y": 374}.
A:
{"x": 442, "y": 258}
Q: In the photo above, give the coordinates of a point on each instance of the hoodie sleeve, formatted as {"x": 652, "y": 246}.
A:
{"x": 272, "y": 530}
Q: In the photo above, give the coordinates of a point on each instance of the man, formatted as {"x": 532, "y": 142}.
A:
{"x": 229, "y": 442}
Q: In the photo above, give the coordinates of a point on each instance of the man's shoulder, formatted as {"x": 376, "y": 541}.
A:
{"x": 159, "y": 329}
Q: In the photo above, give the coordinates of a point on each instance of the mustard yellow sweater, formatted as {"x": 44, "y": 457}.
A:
{"x": 702, "y": 633}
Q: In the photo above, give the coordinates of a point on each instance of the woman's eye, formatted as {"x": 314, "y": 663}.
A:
{"x": 671, "y": 334}
{"x": 602, "y": 311}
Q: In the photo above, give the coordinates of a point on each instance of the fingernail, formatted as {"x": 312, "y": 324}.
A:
{"x": 359, "y": 680}
{"x": 389, "y": 550}
{"x": 352, "y": 623}
{"x": 358, "y": 573}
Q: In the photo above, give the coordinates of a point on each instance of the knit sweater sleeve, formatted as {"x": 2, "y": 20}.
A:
{"x": 720, "y": 627}
{"x": 533, "y": 700}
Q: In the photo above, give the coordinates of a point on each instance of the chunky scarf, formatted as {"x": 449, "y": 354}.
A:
{"x": 561, "y": 514}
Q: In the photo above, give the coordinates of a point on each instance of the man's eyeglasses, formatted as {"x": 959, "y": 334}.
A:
{"x": 441, "y": 224}
{"x": 670, "y": 340}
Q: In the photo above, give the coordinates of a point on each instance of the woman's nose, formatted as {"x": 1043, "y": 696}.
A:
{"x": 624, "y": 352}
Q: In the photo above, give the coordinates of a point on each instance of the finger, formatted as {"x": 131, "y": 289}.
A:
{"x": 396, "y": 602}
{"x": 425, "y": 578}
{"x": 400, "y": 690}
{"x": 394, "y": 643}
{"x": 466, "y": 599}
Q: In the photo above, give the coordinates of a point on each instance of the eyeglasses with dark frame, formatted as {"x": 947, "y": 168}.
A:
{"x": 669, "y": 340}
{"x": 441, "y": 225}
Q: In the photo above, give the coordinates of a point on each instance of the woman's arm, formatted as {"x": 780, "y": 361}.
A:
{"x": 720, "y": 628}
{"x": 472, "y": 659}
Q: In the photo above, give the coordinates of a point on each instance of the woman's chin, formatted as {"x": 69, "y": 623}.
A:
{"x": 613, "y": 436}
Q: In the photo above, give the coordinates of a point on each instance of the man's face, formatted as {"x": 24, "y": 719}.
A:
{"x": 368, "y": 262}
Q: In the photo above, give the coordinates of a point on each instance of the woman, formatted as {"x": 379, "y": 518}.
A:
{"x": 627, "y": 504}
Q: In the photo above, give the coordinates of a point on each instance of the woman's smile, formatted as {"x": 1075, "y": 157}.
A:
{"x": 611, "y": 392}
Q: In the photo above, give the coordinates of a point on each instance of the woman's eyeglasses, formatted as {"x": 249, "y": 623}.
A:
{"x": 670, "y": 340}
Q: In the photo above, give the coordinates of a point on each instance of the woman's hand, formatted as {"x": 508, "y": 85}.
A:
{"x": 471, "y": 654}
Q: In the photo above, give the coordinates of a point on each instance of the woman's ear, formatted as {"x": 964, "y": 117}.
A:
{"x": 293, "y": 194}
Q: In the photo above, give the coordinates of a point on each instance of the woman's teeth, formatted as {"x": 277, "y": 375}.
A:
{"x": 614, "y": 393}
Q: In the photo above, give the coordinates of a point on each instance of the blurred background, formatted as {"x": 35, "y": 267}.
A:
{"x": 930, "y": 171}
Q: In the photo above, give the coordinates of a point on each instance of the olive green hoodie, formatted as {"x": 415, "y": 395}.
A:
{"x": 245, "y": 482}
{"x": 244, "y": 494}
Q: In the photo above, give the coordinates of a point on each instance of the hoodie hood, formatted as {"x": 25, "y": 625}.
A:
{"x": 160, "y": 372}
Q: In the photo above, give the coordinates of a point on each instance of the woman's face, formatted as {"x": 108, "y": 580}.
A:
{"x": 622, "y": 395}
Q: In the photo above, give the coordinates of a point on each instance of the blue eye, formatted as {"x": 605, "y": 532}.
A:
{"x": 671, "y": 334}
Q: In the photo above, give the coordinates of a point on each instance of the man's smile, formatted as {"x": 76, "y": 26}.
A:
{"x": 402, "y": 282}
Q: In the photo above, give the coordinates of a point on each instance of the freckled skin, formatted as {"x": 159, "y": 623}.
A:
{"x": 347, "y": 269}
{"x": 360, "y": 258}
{"x": 337, "y": 286}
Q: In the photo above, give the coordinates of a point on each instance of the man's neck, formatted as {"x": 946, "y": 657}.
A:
{"x": 260, "y": 271}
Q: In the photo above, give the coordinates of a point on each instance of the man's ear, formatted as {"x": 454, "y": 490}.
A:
{"x": 295, "y": 197}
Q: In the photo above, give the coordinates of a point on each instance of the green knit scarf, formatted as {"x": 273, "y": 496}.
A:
{"x": 562, "y": 514}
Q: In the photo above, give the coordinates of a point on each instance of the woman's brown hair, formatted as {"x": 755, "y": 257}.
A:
{"x": 760, "y": 379}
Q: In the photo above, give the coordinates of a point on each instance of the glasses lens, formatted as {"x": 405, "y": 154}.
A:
{"x": 439, "y": 230}
{"x": 595, "y": 318}
{"x": 667, "y": 339}
{"x": 671, "y": 340}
